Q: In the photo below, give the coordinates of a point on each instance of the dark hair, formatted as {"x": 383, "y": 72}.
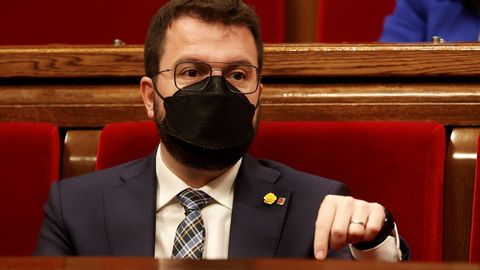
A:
{"x": 228, "y": 12}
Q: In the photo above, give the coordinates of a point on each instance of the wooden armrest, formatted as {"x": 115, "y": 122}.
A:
{"x": 79, "y": 152}
{"x": 458, "y": 190}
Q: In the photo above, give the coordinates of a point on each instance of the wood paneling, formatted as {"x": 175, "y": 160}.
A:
{"x": 294, "y": 60}
{"x": 75, "y": 61}
{"x": 87, "y": 105}
{"x": 453, "y": 104}
{"x": 71, "y": 105}
{"x": 372, "y": 60}
{"x": 147, "y": 263}
{"x": 301, "y": 21}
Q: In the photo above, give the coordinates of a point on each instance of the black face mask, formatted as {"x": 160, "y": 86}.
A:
{"x": 209, "y": 128}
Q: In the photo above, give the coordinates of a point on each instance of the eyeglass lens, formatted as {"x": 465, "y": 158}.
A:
{"x": 243, "y": 77}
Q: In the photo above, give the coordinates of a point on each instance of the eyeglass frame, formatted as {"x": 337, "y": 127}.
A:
{"x": 259, "y": 75}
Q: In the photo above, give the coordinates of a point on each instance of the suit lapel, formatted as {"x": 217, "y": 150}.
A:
{"x": 256, "y": 227}
{"x": 130, "y": 210}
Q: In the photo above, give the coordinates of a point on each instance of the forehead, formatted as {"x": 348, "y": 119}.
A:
{"x": 189, "y": 38}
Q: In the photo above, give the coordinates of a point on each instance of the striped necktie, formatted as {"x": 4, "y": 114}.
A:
{"x": 190, "y": 235}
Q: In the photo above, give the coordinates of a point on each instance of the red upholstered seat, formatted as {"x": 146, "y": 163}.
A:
{"x": 352, "y": 20}
{"x": 29, "y": 163}
{"x": 100, "y": 22}
{"x": 272, "y": 17}
{"x": 475, "y": 231}
{"x": 122, "y": 142}
{"x": 399, "y": 164}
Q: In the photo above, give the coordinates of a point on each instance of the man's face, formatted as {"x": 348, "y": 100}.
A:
{"x": 190, "y": 39}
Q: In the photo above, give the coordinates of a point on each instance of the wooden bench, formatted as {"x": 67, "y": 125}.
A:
{"x": 81, "y": 89}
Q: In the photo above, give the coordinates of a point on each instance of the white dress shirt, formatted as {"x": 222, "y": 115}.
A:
{"x": 217, "y": 217}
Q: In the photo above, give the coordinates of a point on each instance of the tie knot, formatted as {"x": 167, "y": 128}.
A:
{"x": 193, "y": 199}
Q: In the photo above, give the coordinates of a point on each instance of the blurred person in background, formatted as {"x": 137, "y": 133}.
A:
{"x": 420, "y": 20}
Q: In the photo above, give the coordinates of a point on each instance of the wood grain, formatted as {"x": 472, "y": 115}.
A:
{"x": 145, "y": 263}
{"x": 79, "y": 152}
{"x": 372, "y": 60}
{"x": 61, "y": 62}
{"x": 97, "y": 105}
{"x": 459, "y": 181}
{"x": 281, "y": 60}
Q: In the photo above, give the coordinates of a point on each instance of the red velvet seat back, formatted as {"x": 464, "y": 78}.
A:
{"x": 399, "y": 164}
{"x": 475, "y": 231}
{"x": 29, "y": 163}
{"x": 352, "y": 20}
{"x": 122, "y": 142}
{"x": 272, "y": 19}
{"x": 100, "y": 22}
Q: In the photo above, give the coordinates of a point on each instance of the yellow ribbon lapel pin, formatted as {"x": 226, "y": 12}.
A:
{"x": 270, "y": 198}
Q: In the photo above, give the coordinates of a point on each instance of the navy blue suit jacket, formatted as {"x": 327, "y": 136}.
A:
{"x": 112, "y": 212}
{"x": 419, "y": 20}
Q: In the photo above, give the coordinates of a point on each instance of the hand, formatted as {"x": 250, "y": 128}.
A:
{"x": 334, "y": 224}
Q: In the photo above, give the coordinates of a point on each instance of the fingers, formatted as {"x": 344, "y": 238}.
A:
{"x": 359, "y": 221}
{"x": 375, "y": 222}
{"x": 342, "y": 220}
{"x": 340, "y": 228}
{"x": 323, "y": 225}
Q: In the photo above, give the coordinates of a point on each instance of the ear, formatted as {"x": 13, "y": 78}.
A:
{"x": 148, "y": 94}
{"x": 257, "y": 110}
{"x": 260, "y": 89}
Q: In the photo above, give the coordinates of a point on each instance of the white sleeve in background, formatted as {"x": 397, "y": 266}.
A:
{"x": 387, "y": 251}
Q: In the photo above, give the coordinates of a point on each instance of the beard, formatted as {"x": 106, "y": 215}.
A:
{"x": 199, "y": 157}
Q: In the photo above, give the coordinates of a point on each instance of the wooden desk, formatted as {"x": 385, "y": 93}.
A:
{"x": 136, "y": 263}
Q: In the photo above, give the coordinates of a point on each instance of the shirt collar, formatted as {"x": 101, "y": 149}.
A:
{"x": 169, "y": 185}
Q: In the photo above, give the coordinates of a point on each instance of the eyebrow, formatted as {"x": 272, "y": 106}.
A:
{"x": 198, "y": 59}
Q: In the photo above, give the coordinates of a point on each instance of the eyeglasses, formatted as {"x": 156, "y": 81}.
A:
{"x": 244, "y": 77}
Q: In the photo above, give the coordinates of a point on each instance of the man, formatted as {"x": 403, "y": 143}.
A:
{"x": 199, "y": 195}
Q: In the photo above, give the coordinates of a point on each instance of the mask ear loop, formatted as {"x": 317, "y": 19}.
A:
{"x": 258, "y": 85}
{"x": 156, "y": 89}
{"x": 258, "y": 102}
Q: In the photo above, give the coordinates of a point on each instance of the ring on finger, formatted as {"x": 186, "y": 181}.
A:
{"x": 359, "y": 222}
